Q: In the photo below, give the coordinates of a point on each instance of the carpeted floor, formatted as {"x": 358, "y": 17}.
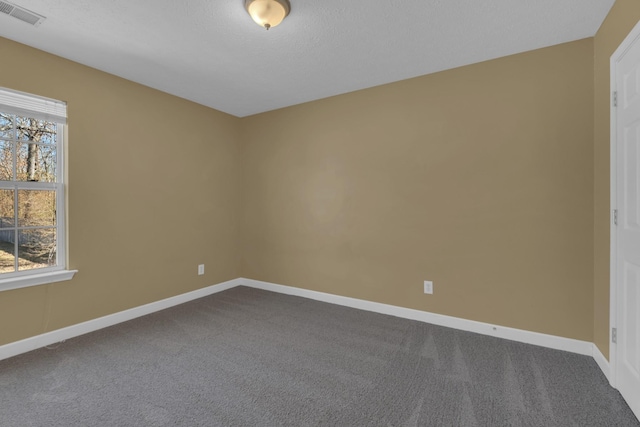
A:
{"x": 246, "y": 357}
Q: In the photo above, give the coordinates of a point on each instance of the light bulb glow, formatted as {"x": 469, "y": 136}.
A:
{"x": 267, "y": 13}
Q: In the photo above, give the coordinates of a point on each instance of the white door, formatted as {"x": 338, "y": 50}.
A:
{"x": 627, "y": 148}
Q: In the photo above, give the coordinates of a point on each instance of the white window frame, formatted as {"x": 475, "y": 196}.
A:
{"x": 33, "y": 106}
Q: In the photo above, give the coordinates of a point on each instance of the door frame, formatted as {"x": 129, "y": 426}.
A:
{"x": 629, "y": 40}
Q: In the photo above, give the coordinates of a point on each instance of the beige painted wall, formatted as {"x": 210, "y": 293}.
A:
{"x": 621, "y": 19}
{"x": 479, "y": 178}
{"x": 154, "y": 190}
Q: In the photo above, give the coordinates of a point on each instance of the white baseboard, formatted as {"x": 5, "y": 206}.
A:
{"x": 528, "y": 337}
{"x": 603, "y": 363}
{"x": 48, "y": 338}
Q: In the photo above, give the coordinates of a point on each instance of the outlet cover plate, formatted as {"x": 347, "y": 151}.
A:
{"x": 200, "y": 269}
{"x": 428, "y": 287}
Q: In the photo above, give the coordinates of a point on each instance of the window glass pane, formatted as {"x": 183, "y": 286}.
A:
{"x": 36, "y": 208}
{"x": 36, "y": 248}
{"x": 6, "y": 161}
{"x": 34, "y": 130}
{"x": 36, "y": 162}
{"x": 7, "y": 217}
{"x": 6, "y": 126}
{"x": 7, "y": 249}
{"x": 49, "y": 133}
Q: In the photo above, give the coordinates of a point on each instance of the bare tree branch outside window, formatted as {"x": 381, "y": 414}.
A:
{"x": 27, "y": 216}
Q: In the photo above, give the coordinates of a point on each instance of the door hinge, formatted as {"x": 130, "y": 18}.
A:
{"x": 614, "y": 335}
{"x": 615, "y": 98}
{"x": 615, "y": 216}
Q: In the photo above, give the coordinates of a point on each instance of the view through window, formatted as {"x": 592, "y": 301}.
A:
{"x": 31, "y": 191}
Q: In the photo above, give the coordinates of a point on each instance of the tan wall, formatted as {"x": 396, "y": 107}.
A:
{"x": 621, "y": 19}
{"x": 479, "y": 178}
{"x": 154, "y": 190}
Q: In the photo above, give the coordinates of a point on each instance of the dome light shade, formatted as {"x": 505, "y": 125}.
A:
{"x": 267, "y": 13}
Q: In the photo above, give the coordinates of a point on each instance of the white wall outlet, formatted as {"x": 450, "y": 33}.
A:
{"x": 200, "y": 269}
{"x": 428, "y": 287}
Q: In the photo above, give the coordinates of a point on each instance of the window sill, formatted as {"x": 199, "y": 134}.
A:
{"x": 36, "y": 279}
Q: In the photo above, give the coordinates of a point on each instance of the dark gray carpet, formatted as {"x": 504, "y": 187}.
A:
{"x": 247, "y": 357}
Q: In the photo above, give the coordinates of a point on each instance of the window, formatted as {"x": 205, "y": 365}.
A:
{"x": 32, "y": 200}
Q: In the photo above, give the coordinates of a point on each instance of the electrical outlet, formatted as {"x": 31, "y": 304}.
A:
{"x": 428, "y": 287}
{"x": 200, "y": 269}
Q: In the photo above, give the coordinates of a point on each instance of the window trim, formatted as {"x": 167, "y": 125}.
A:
{"x": 34, "y": 279}
{"x": 24, "y": 104}
{"x": 38, "y": 107}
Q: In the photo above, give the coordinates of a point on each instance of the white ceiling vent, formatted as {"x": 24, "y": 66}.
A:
{"x": 21, "y": 13}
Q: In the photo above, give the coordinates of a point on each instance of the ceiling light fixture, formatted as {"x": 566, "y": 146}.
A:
{"x": 268, "y": 13}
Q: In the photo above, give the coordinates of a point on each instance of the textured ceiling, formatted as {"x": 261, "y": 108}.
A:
{"x": 211, "y": 52}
